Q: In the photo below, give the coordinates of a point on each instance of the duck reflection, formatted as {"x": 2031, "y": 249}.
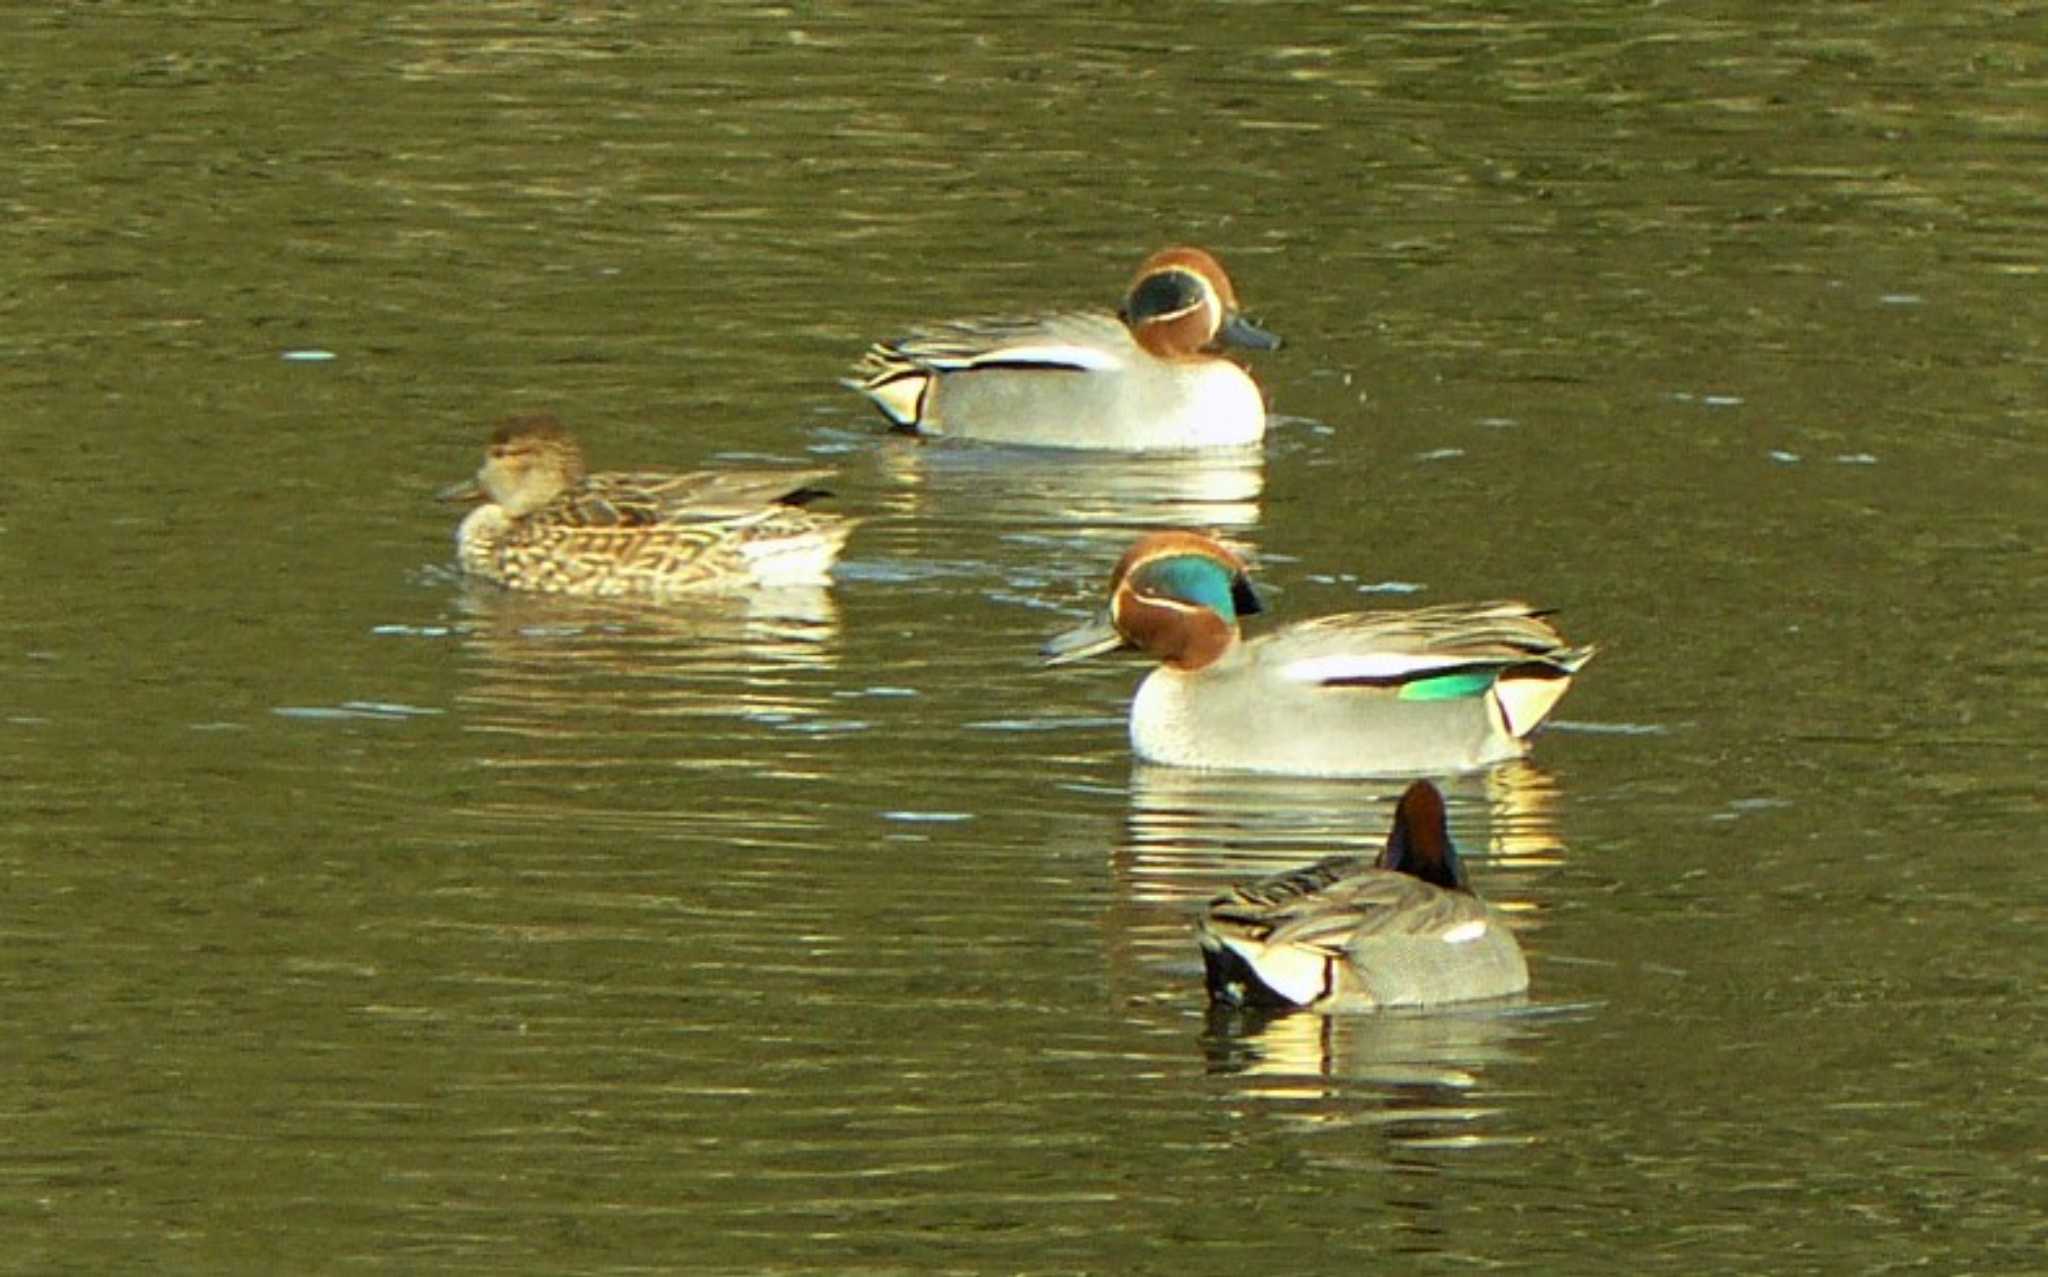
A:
{"x": 583, "y": 683}
{"x": 1106, "y": 495}
{"x": 1419, "y": 1078}
{"x": 1291, "y": 1053}
{"x": 1190, "y": 832}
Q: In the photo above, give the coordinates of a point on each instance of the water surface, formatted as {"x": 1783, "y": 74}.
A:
{"x": 359, "y": 919}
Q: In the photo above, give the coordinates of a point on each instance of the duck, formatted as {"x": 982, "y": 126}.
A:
{"x": 1450, "y": 688}
{"x": 1342, "y": 935}
{"x": 545, "y": 523}
{"x": 1146, "y": 377}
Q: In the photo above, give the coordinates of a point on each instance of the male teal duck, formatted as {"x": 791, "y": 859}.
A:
{"x": 1342, "y": 935}
{"x": 1148, "y": 377}
{"x": 1434, "y": 689}
{"x": 548, "y": 525}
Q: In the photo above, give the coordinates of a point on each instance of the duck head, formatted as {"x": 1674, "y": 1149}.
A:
{"x": 1181, "y": 303}
{"x": 528, "y": 462}
{"x": 1420, "y": 844}
{"x": 1175, "y": 596}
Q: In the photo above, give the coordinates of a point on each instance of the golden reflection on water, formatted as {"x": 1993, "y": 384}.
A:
{"x": 1101, "y": 496}
{"x": 1188, "y": 832}
{"x": 1291, "y": 1055}
{"x": 585, "y": 684}
{"x": 1419, "y": 1079}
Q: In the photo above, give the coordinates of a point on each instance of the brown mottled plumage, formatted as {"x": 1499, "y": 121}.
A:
{"x": 551, "y": 526}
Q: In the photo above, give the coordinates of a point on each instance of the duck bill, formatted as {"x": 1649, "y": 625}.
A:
{"x": 1245, "y": 335}
{"x": 1083, "y": 641}
{"x": 467, "y": 492}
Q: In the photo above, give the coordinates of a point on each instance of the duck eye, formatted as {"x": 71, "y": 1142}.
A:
{"x": 1166, "y": 294}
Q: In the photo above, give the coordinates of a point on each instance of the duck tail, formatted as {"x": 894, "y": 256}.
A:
{"x": 1528, "y": 692}
{"x": 1233, "y": 979}
{"x": 900, "y": 391}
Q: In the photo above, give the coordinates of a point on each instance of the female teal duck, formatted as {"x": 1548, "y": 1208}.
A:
{"x": 548, "y": 525}
{"x": 1341, "y": 935}
{"x": 1447, "y": 688}
{"x": 1147, "y": 377}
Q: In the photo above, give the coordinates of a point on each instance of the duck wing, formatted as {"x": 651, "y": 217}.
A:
{"x": 1341, "y": 933}
{"x": 1398, "y": 649}
{"x": 1079, "y": 341}
{"x": 660, "y": 499}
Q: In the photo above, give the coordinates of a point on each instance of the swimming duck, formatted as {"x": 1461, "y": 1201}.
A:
{"x": 550, "y": 526}
{"x": 1146, "y": 377}
{"x": 1446, "y": 688}
{"x": 1342, "y": 935}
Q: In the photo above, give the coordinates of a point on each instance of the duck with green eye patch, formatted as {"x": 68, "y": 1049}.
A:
{"x": 1148, "y": 377}
{"x": 1437, "y": 689}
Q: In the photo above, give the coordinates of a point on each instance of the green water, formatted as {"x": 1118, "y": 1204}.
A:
{"x": 358, "y": 920}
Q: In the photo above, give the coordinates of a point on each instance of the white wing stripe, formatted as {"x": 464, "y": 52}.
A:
{"x": 1324, "y": 669}
{"x": 1063, "y": 356}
